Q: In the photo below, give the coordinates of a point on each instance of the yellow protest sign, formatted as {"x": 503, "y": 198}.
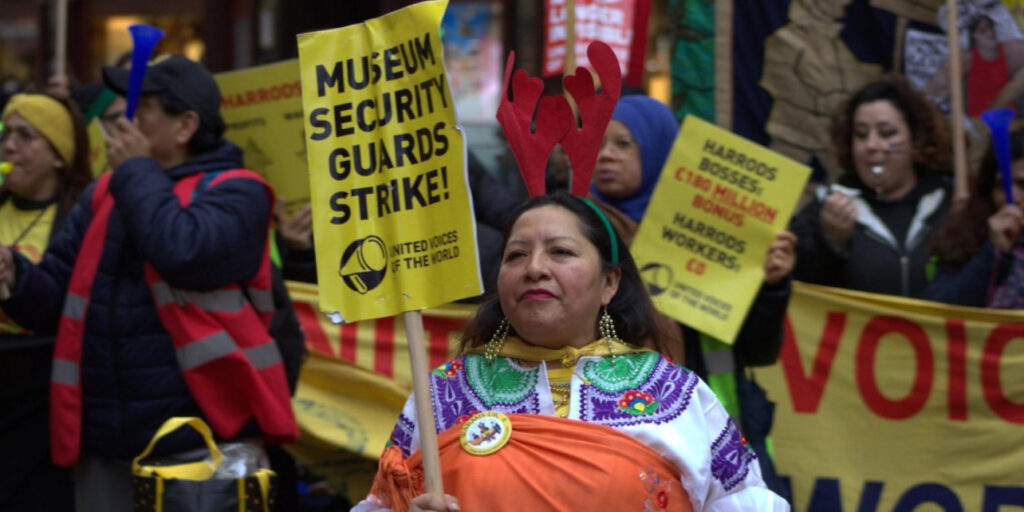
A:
{"x": 703, "y": 241}
{"x": 392, "y": 218}
{"x": 262, "y": 108}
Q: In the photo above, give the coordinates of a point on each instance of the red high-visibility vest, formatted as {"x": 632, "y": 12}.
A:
{"x": 230, "y": 362}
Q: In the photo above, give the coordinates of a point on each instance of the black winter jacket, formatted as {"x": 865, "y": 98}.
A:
{"x": 875, "y": 259}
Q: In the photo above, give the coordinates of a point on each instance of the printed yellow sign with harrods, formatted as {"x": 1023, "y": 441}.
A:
{"x": 718, "y": 204}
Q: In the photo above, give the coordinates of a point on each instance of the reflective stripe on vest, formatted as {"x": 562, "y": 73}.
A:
{"x": 220, "y": 344}
{"x": 65, "y": 372}
{"x": 230, "y": 299}
{"x": 74, "y": 306}
{"x": 721, "y": 366}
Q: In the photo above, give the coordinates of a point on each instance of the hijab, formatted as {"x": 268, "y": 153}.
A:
{"x": 654, "y": 129}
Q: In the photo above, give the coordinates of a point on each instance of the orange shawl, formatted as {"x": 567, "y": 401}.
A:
{"x": 548, "y": 464}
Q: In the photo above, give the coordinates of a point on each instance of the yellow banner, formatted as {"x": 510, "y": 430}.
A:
{"x": 392, "y": 217}
{"x": 702, "y": 244}
{"x": 345, "y": 414}
{"x": 262, "y": 108}
{"x": 884, "y": 403}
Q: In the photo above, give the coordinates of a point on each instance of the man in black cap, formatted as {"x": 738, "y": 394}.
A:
{"x": 161, "y": 286}
{"x": 178, "y": 115}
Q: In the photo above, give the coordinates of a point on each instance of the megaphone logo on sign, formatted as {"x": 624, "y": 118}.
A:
{"x": 658, "y": 278}
{"x": 364, "y": 264}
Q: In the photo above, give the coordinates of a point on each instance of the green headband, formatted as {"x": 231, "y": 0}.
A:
{"x": 607, "y": 226}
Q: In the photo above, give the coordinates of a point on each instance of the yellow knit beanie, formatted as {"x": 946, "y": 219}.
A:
{"x": 49, "y": 117}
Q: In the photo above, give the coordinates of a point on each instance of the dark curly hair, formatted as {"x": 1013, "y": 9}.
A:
{"x": 962, "y": 235}
{"x": 631, "y": 307}
{"x": 929, "y": 130}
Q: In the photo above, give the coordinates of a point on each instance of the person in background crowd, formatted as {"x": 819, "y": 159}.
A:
{"x": 872, "y": 230}
{"x": 118, "y": 371}
{"x": 294, "y": 239}
{"x": 992, "y": 66}
{"x": 635, "y": 147}
{"x": 564, "y": 337}
{"x": 557, "y": 175}
{"x": 979, "y": 254}
{"x": 44, "y": 140}
{"x": 492, "y": 203}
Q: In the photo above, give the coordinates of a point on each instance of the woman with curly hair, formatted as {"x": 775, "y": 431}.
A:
{"x": 872, "y": 229}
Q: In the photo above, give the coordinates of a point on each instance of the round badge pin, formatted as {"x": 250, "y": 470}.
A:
{"x": 485, "y": 433}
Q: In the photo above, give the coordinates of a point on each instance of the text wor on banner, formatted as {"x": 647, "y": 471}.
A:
{"x": 885, "y": 403}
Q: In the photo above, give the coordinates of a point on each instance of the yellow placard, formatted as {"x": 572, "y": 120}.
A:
{"x": 886, "y": 403}
{"x": 718, "y": 204}
{"x": 392, "y": 218}
{"x": 262, "y": 108}
{"x": 97, "y": 148}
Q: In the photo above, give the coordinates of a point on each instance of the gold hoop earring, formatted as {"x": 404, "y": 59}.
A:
{"x": 606, "y": 326}
{"x": 493, "y": 346}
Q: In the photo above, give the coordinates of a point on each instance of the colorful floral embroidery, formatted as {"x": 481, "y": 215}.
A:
{"x": 448, "y": 370}
{"x": 658, "y": 490}
{"x": 500, "y": 382}
{"x": 667, "y": 385}
{"x": 638, "y": 403}
{"x": 402, "y": 434}
{"x": 627, "y": 372}
{"x": 730, "y": 457}
{"x": 480, "y": 386}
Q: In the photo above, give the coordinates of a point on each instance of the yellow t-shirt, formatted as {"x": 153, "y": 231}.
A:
{"x": 25, "y": 227}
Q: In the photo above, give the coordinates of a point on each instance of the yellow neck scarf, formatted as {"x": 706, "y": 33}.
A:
{"x": 518, "y": 349}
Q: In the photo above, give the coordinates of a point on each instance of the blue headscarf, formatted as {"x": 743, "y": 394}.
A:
{"x": 654, "y": 129}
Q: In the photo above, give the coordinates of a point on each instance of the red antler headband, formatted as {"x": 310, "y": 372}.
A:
{"x": 555, "y": 120}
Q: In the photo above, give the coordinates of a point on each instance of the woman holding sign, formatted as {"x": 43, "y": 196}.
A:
{"x": 980, "y": 259}
{"x": 635, "y": 147}
{"x": 872, "y": 230}
{"x": 558, "y": 404}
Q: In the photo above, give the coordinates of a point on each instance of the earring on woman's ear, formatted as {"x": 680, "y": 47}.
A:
{"x": 606, "y": 326}
{"x": 493, "y": 346}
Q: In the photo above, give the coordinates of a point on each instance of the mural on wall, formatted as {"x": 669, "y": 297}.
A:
{"x": 810, "y": 71}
